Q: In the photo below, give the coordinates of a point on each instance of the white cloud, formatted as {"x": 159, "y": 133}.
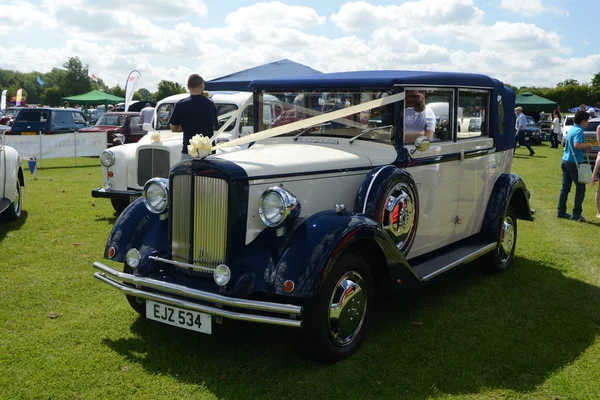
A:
{"x": 275, "y": 14}
{"x": 531, "y": 7}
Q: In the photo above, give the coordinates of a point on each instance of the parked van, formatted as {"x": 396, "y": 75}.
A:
{"x": 34, "y": 121}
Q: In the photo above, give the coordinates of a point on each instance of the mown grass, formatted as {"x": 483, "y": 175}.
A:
{"x": 530, "y": 333}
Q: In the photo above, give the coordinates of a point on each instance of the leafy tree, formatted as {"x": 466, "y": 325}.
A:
{"x": 596, "y": 81}
{"x": 568, "y": 82}
{"x": 76, "y": 80}
{"x": 51, "y": 97}
{"x": 166, "y": 89}
{"x": 116, "y": 91}
{"x": 145, "y": 94}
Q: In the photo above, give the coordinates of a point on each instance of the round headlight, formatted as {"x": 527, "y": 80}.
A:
{"x": 276, "y": 206}
{"x": 132, "y": 258}
{"x": 222, "y": 275}
{"x": 107, "y": 158}
{"x": 156, "y": 195}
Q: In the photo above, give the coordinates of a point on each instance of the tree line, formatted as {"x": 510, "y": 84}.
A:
{"x": 74, "y": 79}
{"x": 71, "y": 80}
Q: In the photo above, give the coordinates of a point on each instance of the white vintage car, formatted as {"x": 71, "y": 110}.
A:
{"x": 126, "y": 168}
{"x": 12, "y": 180}
{"x": 356, "y": 188}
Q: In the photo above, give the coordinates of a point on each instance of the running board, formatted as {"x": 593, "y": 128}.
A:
{"x": 463, "y": 252}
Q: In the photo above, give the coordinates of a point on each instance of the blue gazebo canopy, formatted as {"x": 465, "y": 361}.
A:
{"x": 278, "y": 69}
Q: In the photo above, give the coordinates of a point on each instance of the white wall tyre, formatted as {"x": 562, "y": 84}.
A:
{"x": 337, "y": 319}
{"x": 13, "y": 212}
{"x": 501, "y": 258}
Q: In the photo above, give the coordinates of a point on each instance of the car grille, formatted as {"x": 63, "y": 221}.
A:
{"x": 199, "y": 220}
{"x": 152, "y": 163}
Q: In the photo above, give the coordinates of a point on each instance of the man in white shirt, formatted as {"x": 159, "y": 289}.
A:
{"x": 520, "y": 125}
{"x": 147, "y": 114}
{"x": 419, "y": 119}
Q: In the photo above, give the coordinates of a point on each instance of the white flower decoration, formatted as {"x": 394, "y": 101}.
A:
{"x": 155, "y": 137}
{"x": 199, "y": 146}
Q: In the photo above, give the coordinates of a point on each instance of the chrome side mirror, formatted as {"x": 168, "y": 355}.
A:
{"x": 422, "y": 143}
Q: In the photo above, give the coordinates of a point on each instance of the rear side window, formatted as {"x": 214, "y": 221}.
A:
{"x": 135, "y": 121}
{"x": 62, "y": 118}
{"x": 78, "y": 118}
{"x": 33, "y": 116}
{"x": 569, "y": 122}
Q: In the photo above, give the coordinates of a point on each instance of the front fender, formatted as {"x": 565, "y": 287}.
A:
{"x": 123, "y": 157}
{"x": 13, "y": 172}
{"x": 319, "y": 241}
{"x": 138, "y": 228}
{"x": 509, "y": 189}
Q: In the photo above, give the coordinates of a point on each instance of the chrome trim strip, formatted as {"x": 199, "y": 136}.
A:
{"x": 197, "y": 307}
{"x": 190, "y": 293}
{"x": 463, "y": 260}
{"x": 210, "y": 206}
{"x": 182, "y": 264}
{"x": 181, "y": 213}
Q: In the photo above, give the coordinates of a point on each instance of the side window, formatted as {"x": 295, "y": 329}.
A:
{"x": 501, "y": 117}
{"x": 473, "y": 108}
{"x": 429, "y": 112}
{"x": 62, "y": 118}
{"x": 162, "y": 116}
{"x": 223, "y": 109}
{"x": 135, "y": 121}
{"x": 78, "y": 118}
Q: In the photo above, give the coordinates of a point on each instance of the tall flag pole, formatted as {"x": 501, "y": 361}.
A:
{"x": 131, "y": 85}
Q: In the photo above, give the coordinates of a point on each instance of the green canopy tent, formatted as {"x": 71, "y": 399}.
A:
{"x": 533, "y": 103}
{"x": 95, "y": 97}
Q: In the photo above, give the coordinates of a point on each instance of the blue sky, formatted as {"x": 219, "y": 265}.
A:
{"x": 522, "y": 42}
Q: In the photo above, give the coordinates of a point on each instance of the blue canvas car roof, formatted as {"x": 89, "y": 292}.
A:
{"x": 383, "y": 78}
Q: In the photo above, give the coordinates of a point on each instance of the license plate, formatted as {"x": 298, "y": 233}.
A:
{"x": 28, "y": 133}
{"x": 179, "y": 317}
{"x": 593, "y": 142}
{"x": 526, "y": 138}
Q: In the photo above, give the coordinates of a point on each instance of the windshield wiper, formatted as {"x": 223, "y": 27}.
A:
{"x": 302, "y": 132}
{"x": 369, "y": 130}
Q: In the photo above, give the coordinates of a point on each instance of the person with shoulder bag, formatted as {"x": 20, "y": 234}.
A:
{"x": 572, "y": 160}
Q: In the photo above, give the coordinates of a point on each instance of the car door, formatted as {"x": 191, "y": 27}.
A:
{"x": 61, "y": 121}
{"x": 2, "y": 166}
{"x": 79, "y": 120}
{"x": 436, "y": 171}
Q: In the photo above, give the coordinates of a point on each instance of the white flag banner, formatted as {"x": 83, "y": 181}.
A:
{"x": 133, "y": 80}
{"x": 61, "y": 145}
{"x": 3, "y": 100}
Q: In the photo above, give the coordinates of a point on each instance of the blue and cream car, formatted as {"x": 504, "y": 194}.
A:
{"x": 12, "y": 180}
{"x": 324, "y": 211}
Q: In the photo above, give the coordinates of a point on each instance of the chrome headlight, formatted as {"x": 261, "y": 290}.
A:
{"x": 156, "y": 195}
{"x": 277, "y": 206}
{"x": 107, "y": 158}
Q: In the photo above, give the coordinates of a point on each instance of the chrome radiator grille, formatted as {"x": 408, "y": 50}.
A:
{"x": 152, "y": 163}
{"x": 208, "y": 214}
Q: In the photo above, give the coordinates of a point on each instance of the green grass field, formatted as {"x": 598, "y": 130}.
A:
{"x": 530, "y": 333}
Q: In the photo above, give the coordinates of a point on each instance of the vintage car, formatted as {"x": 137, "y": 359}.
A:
{"x": 9, "y": 115}
{"x": 125, "y": 169}
{"x": 120, "y": 127}
{"x": 12, "y": 180}
{"x": 533, "y": 134}
{"x": 590, "y": 136}
{"x": 318, "y": 217}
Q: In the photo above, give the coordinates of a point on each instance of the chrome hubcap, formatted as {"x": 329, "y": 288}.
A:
{"x": 398, "y": 216}
{"x": 347, "y": 308}
{"x": 508, "y": 239}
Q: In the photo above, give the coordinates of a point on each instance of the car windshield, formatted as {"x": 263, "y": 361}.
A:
{"x": 164, "y": 114}
{"x": 304, "y": 105}
{"x": 111, "y": 120}
{"x": 11, "y": 112}
{"x": 531, "y": 122}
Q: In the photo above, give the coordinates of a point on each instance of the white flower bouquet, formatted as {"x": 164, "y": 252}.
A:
{"x": 199, "y": 146}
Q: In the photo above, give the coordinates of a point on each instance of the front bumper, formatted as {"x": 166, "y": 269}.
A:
{"x": 201, "y": 301}
{"x": 128, "y": 195}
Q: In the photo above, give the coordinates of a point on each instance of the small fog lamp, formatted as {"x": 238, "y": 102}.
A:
{"x": 133, "y": 258}
{"x": 222, "y": 275}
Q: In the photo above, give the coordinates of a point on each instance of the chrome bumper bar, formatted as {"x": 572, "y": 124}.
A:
{"x": 287, "y": 311}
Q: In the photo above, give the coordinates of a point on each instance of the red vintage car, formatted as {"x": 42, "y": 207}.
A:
{"x": 9, "y": 115}
{"x": 121, "y": 127}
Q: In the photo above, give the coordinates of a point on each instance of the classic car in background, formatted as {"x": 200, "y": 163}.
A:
{"x": 321, "y": 214}
{"x": 12, "y": 180}
{"x": 533, "y": 134}
{"x": 125, "y": 169}
{"x": 590, "y": 136}
{"x": 9, "y": 115}
{"x": 121, "y": 127}
{"x": 47, "y": 121}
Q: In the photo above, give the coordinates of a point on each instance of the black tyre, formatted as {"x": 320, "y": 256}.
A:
{"x": 501, "y": 258}
{"x": 139, "y": 305}
{"x": 119, "y": 205}
{"x": 338, "y": 318}
{"x": 13, "y": 212}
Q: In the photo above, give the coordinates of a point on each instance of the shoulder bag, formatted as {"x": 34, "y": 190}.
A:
{"x": 584, "y": 171}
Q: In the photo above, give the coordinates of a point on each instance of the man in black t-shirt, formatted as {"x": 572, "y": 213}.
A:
{"x": 194, "y": 115}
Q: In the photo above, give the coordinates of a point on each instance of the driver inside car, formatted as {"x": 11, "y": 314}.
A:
{"x": 419, "y": 119}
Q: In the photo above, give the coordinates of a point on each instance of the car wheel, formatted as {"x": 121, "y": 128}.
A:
{"x": 337, "y": 319}
{"x": 139, "y": 305}
{"x": 500, "y": 259}
{"x": 13, "y": 212}
{"x": 119, "y": 205}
